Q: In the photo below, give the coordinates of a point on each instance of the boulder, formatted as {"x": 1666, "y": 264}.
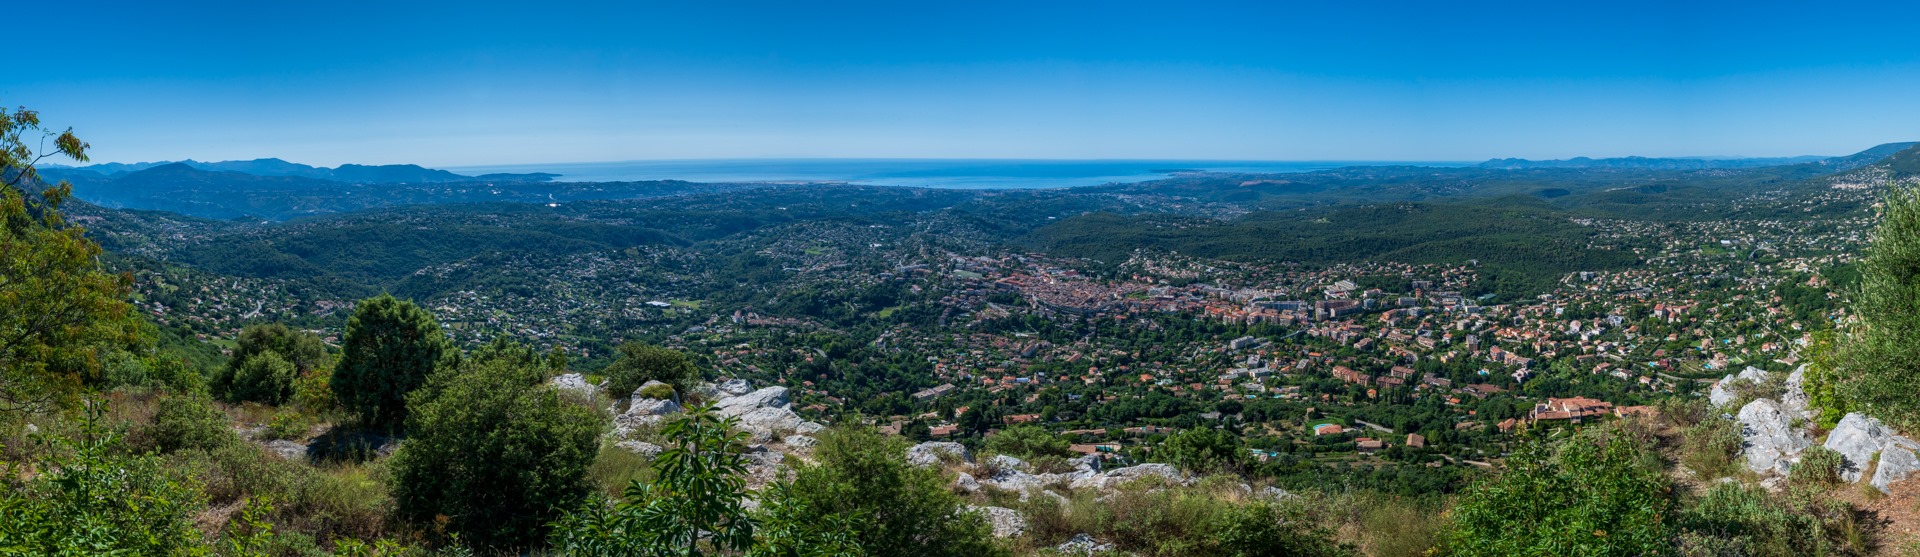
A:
{"x": 1271, "y": 493}
{"x": 1006, "y": 522}
{"x": 1128, "y": 474}
{"x": 1897, "y": 461}
{"x": 965, "y": 483}
{"x": 809, "y": 428}
{"x": 734, "y": 387}
{"x": 1082, "y": 544}
{"x": 287, "y": 449}
{"x": 652, "y": 407}
{"x": 1004, "y": 462}
{"x": 770, "y": 397}
{"x": 572, "y": 383}
{"x": 1856, "y": 438}
{"x": 1794, "y": 399}
{"x": 1772, "y": 443}
{"x": 1722, "y": 392}
{"x": 929, "y": 453}
{"x": 800, "y": 441}
{"x": 1015, "y": 480}
{"x": 641, "y": 448}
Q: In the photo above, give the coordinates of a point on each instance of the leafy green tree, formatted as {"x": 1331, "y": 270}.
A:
{"x": 903, "y": 510}
{"x": 184, "y": 421}
{"x": 1026, "y": 441}
{"x": 1203, "y": 450}
{"x": 94, "y": 498}
{"x": 390, "y": 348}
{"x": 59, "y": 311}
{"x": 640, "y": 362}
{"x": 1882, "y": 357}
{"x": 267, "y": 360}
{"x": 494, "y": 451}
{"x": 1598, "y": 493}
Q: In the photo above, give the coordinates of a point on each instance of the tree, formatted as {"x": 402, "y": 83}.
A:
{"x": 493, "y": 450}
{"x": 1203, "y": 450}
{"x": 58, "y": 309}
{"x": 1026, "y": 441}
{"x": 390, "y": 348}
{"x": 1882, "y": 357}
{"x": 903, "y": 510}
{"x": 267, "y": 359}
{"x": 1598, "y": 493}
{"x": 640, "y": 362}
{"x": 696, "y": 497}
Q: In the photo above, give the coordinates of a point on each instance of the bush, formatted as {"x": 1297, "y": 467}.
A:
{"x": 1028, "y": 442}
{"x": 186, "y": 421}
{"x": 1734, "y": 519}
{"x": 95, "y": 499}
{"x": 1212, "y": 519}
{"x": 267, "y": 361}
{"x": 389, "y": 349}
{"x": 288, "y": 425}
{"x": 495, "y": 452}
{"x": 1203, "y": 450}
{"x": 660, "y": 391}
{"x": 640, "y": 362}
{"x": 1880, "y": 361}
{"x": 1711, "y": 447}
{"x": 1818, "y": 467}
{"x": 902, "y": 510}
{"x": 1597, "y": 493}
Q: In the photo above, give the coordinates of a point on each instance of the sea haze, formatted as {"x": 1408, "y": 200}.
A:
{"x": 936, "y": 173}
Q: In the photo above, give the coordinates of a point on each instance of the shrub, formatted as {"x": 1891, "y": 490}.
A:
{"x": 1597, "y": 493}
{"x": 265, "y": 378}
{"x": 1881, "y": 359}
{"x": 1203, "y": 450}
{"x": 660, "y": 391}
{"x": 1818, "y": 467}
{"x": 1711, "y": 447}
{"x": 287, "y": 425}
{"x": 95, "y": 499}
{"x": 1026, "y": 441}
{"x": 640, "y": 362}
{"x": 1734, "y": 519}
{"x": 186, "y": 421}
{"x": 389, "y": 349}
{"x": 902, "y": 510}
{"x": 495, "y": 452}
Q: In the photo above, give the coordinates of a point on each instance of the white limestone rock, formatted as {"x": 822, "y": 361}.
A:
{"x": 572, "y": 383}
{"x": 653, "y": 407}
{"x": 1772, "y": 443}
{"x": 734, "y": 387}
{"x": 1083, "y": 545}
{"x": 1856, "y": 438}
{"x": 1794, "y": 399}
{"x": 965, "y": 483}
{"x": 1007, "y": 523}
{"x": 1897, "y": 461}
{"x": 641, "y": 448}
{"x": 1119, "y": 476}
{"x": 770, "y": 397}
{"x": 1722, "y": 392}
{"x": 929, "y": 453}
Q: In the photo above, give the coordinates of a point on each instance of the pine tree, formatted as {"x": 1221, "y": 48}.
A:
{"x": 390, "y": 348}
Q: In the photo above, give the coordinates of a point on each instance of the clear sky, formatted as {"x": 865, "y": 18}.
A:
{"x": 477, "y": 82}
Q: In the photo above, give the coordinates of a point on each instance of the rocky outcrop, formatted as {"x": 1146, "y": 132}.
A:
{"x": 653, "y": 407}
{"x": 965, "y": 483}
{"x": 1122, "y": 476}
{"x": 1772, "y": 444}
{"x": 641, "y": 448}
{"x": 1082, "y": 544}
{"x": 733, "y": 387}
{"x": 1722, "y": 393}
{"x": 1898, "y": 460}
{"x": 1857, "y": 437}
{"x": 1006, "y": 522}
{"x": 770, "y": 397}
{"x": 1794, "y": 400}
{"x": 285, "y": 449}
{"x": 573, "y": 383}
{"x": 929, "y": 453}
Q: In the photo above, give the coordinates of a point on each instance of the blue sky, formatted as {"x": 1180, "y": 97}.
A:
{"x": 473, "y": 83}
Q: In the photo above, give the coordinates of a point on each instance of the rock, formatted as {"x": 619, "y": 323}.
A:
{"x": 809, "y": 428}
{"x": 928, "y": 454}
{"x": 32, "y": 429}
{"x": 1897, "y": 461}
{"x": 1722, "y": 392}
{"x": 1856, "y": 438}
{"x": 776, "y": 421}
{"x": 734, "y": 387}
{"x": 1086, "y": 463}
{"x": 641, "y": 448}
{"x": 965, "y": 483}
{"x": 770, "y": 397}
{"x": 1120, "y": 476}
{"x": 572, "y": 383}
{"x": 1772, "y": 443}
{"x": 287, "y": 449}
{"x": 652, "y": 407}
{"x": 1004, "y": 462}
{"x": 800, "y": 441}
{"x": 1793, "y": 400}
{"x": 1015, "y": 480}
{"x": 1082, "y": 544}
{"x": 1007, "y": 522}
{"x": 1271, "y": 493}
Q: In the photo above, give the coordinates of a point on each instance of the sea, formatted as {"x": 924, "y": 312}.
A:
{"x": 934, "y": 173}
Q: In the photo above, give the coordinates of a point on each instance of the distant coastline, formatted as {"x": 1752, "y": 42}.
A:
{"x": 936, "y": 173}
